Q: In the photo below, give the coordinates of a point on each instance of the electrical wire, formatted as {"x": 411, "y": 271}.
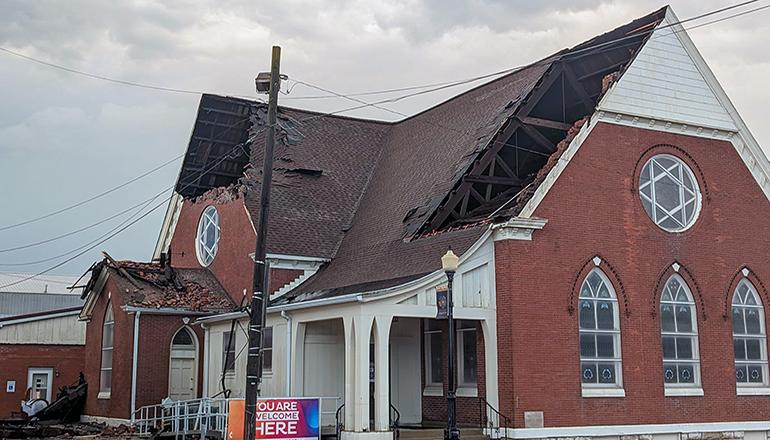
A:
{"x": 118, "y": 231}
{"x": 92, "y": 198}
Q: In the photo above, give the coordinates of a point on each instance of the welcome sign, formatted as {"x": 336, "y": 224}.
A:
{"x": 278, "y": 419}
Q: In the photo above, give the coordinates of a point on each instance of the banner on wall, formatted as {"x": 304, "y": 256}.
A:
{"x": 286, "y": 418}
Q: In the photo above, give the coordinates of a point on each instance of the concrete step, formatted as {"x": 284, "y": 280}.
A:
{"x": 438, "y": 434}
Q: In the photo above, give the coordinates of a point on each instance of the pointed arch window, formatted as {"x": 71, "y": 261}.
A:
{"x": 679, "y": 334}
{"x": 600, "y": 359}
{"x": 105, "y": 375}
{"x": 749, "y": 337}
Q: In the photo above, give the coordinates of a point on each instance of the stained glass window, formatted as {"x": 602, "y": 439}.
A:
{"x": 679, "y": 334}
{"x": 600, "y": 362}
{"x": 749, "y": 337}
{"x": 207, "y": 240}
{"x": 669, "y": 193}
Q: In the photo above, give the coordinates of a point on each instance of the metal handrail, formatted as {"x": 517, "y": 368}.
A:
{"x": 394, "y": 421}
{"x": 486, "y": 423}
{"x": 338, "y": 425}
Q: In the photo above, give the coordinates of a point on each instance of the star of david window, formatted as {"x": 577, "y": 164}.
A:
{"x": 600, "y": 362}
{"x": 669, "y": 193}
{"x": 207, "y": 240}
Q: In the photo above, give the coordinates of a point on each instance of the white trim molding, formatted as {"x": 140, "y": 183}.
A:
{"x": 622, "y": 430}
{"x": 603, "y": 392}
{"x": 684, "y": 392}
{"x": 518, "y": 228}
{"x": 752, "y": 391}
{"x": 50, "y": 315}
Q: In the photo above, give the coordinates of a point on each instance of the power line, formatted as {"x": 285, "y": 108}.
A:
{"x": 90, "y": 199}
{"x": 364, "y": 104}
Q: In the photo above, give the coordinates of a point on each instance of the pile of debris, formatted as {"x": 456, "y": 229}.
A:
{"x": 41, "y": 430}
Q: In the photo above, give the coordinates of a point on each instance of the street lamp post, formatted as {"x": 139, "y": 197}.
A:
{"x": 449, "y": 263}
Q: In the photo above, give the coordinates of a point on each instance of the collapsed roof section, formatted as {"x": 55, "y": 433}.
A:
{"x": 384, "y": 200}
{"x": 157, "y": 285}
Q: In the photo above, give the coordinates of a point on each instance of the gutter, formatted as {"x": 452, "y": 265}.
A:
{"x": 134, "y": 362}
{"x": 206, "y": 336}
{"x": 289, "y": 324}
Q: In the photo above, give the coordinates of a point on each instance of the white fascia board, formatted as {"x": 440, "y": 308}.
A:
{"x": 621, "y": 430}
{"x": 93, "y": 295}
{"x": 169, "y": 225}
{"x": 39, "y": 318}
{"x": 221, "y": 317}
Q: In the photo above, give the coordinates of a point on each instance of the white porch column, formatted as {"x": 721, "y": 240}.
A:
{"x": 350, "y": 372}
{"x": 297, "y": 351}
{"x": 382, "y": 372}
{"x": 489, "y": 327}
{"x": 363, "y": 330}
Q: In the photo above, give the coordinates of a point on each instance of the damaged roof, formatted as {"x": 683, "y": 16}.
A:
{"x": 159, "y": 286}
{"x": 383, "y": 201}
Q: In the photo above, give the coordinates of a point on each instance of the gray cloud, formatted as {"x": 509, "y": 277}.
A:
{"x": 65, "y": 137}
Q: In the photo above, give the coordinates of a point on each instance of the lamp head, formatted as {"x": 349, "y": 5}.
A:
{"x": 449, "y": 261}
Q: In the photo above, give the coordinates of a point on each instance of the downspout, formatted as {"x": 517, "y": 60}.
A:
{"x": 134, "y": 362}
{"x": 288, "y": 319}
{"x": 205, "y": 392}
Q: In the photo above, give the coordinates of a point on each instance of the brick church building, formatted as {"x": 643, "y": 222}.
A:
{"x": 608, "y": 205}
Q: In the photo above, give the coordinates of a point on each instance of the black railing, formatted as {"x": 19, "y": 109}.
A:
{"x": 339, "y": 423}
{"x": 503, "y": 422}
{"x": 395, "y": 419}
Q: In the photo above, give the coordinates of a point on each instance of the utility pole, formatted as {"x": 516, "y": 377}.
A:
{"x": 259, "y": 296}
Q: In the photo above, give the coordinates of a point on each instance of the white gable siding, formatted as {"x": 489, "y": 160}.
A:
{"x": 664, "y": 83}
{"x": 63, "y": 330}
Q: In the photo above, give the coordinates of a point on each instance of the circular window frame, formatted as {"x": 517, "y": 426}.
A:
{"x": 206, "y": 214}
{"x": 697, "y": 186}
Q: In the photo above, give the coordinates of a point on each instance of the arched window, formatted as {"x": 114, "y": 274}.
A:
{"x": 679, "y": 332}
{"x": 749, "y": 337}
{"x": 183, "y": 338}
{"x": 105, "y": 376}
{"x": 600, "y": 361}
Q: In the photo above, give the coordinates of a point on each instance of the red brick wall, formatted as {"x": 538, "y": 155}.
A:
{"x": 594, "y": 208}
{"x": 65, "y": 360}
{"x": 155, "y": 335}
{"x": 119, "y": 404}
{"x": 232, "y": 265}
{"x": 434, "y": 408}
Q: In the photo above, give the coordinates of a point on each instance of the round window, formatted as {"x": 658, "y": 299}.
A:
{"x": 207, "y": 239}
{"x": 669, "y": 193}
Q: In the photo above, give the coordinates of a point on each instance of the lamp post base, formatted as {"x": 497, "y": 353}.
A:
{"x": 452, "y": 434}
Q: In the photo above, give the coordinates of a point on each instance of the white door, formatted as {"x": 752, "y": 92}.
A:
{"x": 39, "y": 381}
{"x": 183, "y": 366}
{"x": 405, "y": 381}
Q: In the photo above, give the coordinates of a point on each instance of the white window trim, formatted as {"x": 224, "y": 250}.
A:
{"x": 752, "y": 391}
{"x": 603, "y": 392}
{"x": 105, "y": 393}
{"x": 753, "y": 387}
{"x": 266, "y": 372}
{"x": 211, "y": 214}
{"x": 224, "y": 353}
{"x": 675, "y": 389}
{"x": 696, "y": 186}
{"x": 48, "y": 372}
{"x": 672, "y": 391}
{"x": 431, "y": 388}
{"x": 461, "y": 367}
{"x": 467, "y": 391}
{"x": 598, "y": 389}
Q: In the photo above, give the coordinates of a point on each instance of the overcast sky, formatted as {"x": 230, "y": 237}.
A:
{"x": 65, "y": 137}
